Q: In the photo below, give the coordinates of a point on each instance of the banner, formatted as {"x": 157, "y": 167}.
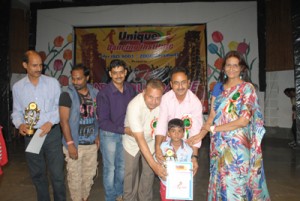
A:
{"x": 149, "y": 52}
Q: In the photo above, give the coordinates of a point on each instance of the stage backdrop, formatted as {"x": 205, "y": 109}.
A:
{"x": 149, "y": 52}
{"x": 229, "y": 26}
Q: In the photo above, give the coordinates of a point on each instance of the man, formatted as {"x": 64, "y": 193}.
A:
{"x": 41, "y": 92}
{"x": 77, "y": 109}
{"x": 112, "y": 102}
{"x": 182, "y": 103}
{"x": 141, "y": 117}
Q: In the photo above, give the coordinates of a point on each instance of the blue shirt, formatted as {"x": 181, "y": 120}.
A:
{"x": 45, "y": 94}
{"x": 112, "y": 105}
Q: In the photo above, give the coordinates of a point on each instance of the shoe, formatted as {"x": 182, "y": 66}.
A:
{"x": 292, "y": 144}
{"x": 297, "y": 147}
{"x": 120, "y": 198}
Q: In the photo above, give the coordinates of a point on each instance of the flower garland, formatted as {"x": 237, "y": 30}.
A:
{"x": 153, "y": 126}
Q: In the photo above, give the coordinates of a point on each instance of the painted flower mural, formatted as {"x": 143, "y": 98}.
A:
{"x": 57, "y": 58}
{"x": 217, "y": 48}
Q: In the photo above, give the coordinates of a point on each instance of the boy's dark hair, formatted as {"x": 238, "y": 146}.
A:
{"x": 116, "y": 62}
{"x": 175, "y": 123}
{"x": 287, "y": 90}
{"x": 86, "y": 71}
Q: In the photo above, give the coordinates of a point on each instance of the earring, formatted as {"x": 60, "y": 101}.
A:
{"x": 241, "y": 76}
{"x": 225, "y": 76}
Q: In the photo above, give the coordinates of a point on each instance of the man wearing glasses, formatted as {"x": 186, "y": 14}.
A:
{"x": 182, "y": 103}
{"x": 77, "y": 109}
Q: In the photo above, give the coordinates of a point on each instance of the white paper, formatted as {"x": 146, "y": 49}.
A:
{"x": 180, "y": 181}
{"x": 36, "y": 142}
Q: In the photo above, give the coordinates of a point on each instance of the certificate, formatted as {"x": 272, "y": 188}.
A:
{"x": 36, "y": 142}
{"x": 179, "y": 180}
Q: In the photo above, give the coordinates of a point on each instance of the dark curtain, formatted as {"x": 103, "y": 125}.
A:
{"x": 5, "y": 72}
{"x": 295, "y": 12}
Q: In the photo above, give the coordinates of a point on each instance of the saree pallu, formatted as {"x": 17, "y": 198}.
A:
{"x": 236, "y": 164}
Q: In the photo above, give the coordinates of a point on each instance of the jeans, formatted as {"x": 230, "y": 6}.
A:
{"x": 51, "y": 154}
{"x": 111, "y": 147}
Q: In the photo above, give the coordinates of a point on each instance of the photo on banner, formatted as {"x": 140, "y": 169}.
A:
{"x": 149, "y": 52}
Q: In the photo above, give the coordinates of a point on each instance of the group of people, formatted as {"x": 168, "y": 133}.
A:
{"x": 131, "y": 129}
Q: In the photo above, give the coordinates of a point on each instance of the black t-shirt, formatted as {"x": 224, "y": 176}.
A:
{"x": 65, "y": 100}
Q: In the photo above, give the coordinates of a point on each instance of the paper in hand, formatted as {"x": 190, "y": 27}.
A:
{"x": 36, "y": 142}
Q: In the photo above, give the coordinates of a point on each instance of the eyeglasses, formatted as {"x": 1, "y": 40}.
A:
{"x": 118, "y": 73}
{"x": 182, "y": 83}
{"x": 232, "y": 65}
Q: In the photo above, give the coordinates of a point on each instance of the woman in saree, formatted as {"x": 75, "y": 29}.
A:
{"x": 236, "y": 130}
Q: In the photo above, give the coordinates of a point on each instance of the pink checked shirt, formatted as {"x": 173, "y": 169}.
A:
{"x": 170, "y": 108}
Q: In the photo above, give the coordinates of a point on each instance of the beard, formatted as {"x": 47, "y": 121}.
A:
{"x": 79, "y": 87}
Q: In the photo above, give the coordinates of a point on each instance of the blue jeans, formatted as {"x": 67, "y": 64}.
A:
{"x": 111, "y": 147}
{"x": 52, "y": 155}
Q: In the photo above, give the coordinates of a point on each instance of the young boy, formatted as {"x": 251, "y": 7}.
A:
{"x": 291, "y": 93}
{"x": 174, "y": 149}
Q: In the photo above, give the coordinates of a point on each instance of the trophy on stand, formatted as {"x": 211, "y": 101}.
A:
{"x": 31, "y": 116}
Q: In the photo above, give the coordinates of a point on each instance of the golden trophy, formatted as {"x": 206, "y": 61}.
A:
{"x": 31, "y": 116}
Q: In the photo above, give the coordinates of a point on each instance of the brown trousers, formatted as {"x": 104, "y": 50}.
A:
{"x": 137, "y": 186}
{"x": 80, "y": 172}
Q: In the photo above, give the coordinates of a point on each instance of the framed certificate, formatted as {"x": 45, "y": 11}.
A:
{"x": 179, "y": 181}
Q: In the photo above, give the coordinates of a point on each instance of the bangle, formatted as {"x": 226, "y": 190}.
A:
{"x": 212, "y": 129}
{"x": 195, "y": 156}
{"x": 70, "y": 142}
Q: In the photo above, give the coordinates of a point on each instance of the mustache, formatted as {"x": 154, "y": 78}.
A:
{"x": 76, "y": 86}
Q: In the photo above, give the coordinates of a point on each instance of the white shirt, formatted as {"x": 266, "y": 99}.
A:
{"x": 140, "y": 119}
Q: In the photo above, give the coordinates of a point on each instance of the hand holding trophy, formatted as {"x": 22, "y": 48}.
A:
{"x": 31, "y": 116}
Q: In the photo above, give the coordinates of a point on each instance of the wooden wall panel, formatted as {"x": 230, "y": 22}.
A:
{"x": 279, "y": 44}
{"x": 18, "y": 43}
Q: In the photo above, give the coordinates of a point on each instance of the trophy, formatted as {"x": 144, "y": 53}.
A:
{"x": 31, "y": 116}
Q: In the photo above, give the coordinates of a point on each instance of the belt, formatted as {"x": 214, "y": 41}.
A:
{"x": 87, "y": 143}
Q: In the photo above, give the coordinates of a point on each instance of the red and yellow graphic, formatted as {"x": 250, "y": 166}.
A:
{"x": 149, "y": 52}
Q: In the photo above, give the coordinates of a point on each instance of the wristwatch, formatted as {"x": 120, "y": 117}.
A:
{"x": 212, "y": 129}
